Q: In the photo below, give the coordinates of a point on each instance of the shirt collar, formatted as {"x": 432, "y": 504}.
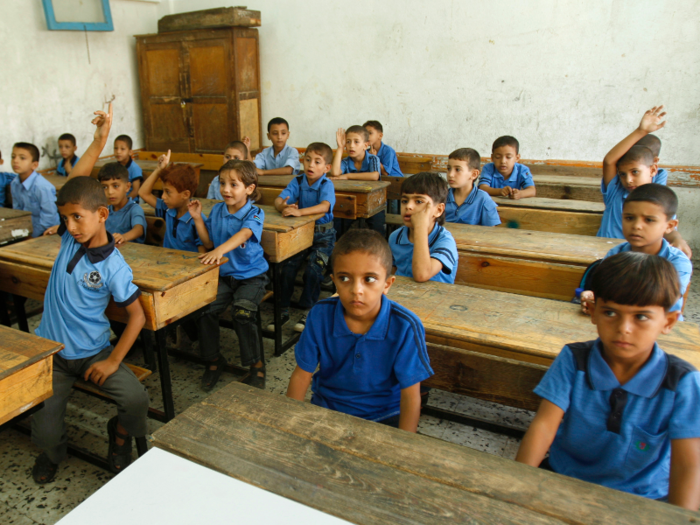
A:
{"x": 316, "y": 185}
{"x": 29, "y": 181}
{"x": 272, "y": 151}
{"x": 94, "y": 255}
{"x": 128, "y": 164}
{"x": 665, "y": 250}
{"x": 377, "y": 332}
{"x": 470, "y": 198}
{"x": 240, "y": 214}
{"x": 71, "y": 160}
{"x": 185, "y": 218}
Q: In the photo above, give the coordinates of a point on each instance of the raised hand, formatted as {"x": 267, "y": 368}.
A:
{"x": 195, "y": 209}
{"x": 587, "y": 298}
{"x": 340, "y": 138}
{"x": 103, "y": 121}
{"x": 246, "y": 141}
{"x": 164, "y": 160}
{"x": 651, "y": 121}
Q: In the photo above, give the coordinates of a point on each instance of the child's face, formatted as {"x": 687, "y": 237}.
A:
{"x": 356, "y": 145}
{"x": 173, "y": 198}
{"x": 634, "y": 174}
{"x": 361, "y": 280}
{"x": 315, "y": 166}
{"x": 121, "y": 151}
{"x": 83, "y": 224}
{"x": 22, "y": 162}
{"x": 628, "y": 332}
{"x": 66, "y": 148}
{"x": 459, "y": 174}
{"x": 116, "y": 191}
{"x": 278, "y": 135}
{"x": 644, "y": 224}
{"x": 233, "y": 154}
{"x": 504, "y": 158}
{"x": 234, "y": 192}
{"x": 375, "y": 137}
{"x": 412, "y": 203}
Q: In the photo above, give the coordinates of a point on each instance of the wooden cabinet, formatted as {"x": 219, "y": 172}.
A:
{"x": 200, "y": 89}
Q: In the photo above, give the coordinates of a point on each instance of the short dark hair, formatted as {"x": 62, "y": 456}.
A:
{"x": 656, "y": 193}
{"x": 468, "y": 155}
{"x": 636, "y": 279}
{"x": 652, "y": 142}
{"x": 182, "y": 177}
{"x": 84, "y": 191}
{"x": 358, "y": 130}
{"x": 367, "y": 241}
{"x": 237, "y": 145}
{"x": 68, "y": 136}
{"x": 31, "y": 148}
{"x": 247, "y": 172}
{"x": 506, "y": 140}
{"x": 126, "y": 139}
{"x": 374, "y": 124}
{"x": 277, "y": 121}
{"x": 430, "y": 184}
{"x": 321, "y": 148}
{"x": 113, "y": 170}
{"x": 640, "y": 154}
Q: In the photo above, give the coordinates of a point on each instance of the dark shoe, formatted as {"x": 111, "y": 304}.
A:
{"x": 253, "y": 379}
{"x": 301, "y": 324}
{"x": 211, "y": 377}
{"x": 327, "y": 284}
{"x": 44, "y": 469}
{"x": 284, "y": 320}
{"x": 119, "y": 456}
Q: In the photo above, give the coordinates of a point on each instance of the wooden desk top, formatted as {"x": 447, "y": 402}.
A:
{"x": 567, "y": 180}
{"x": 57, "y": 180}
{"x": 9, "y": 213}
{"x": 373, "y": 474}
{"x": 553, "y": 204}
{"x": 341, "y": 186}
{"x": 514, "y": 325}
{"x": 147, "y": 166}
{"x": 18, "y": 350}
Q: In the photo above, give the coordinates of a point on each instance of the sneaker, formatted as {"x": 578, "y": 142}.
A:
{"x": 284, "y": 320}
{"x": 299, "y": 327}
{"x": 327, "y": 284}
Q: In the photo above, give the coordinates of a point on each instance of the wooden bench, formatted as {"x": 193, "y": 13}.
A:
{"x": 15, "y": 225}
{"x": 551, "y": 215}
{"x": 91, "y": 388}
{"x": 568, "y": 187}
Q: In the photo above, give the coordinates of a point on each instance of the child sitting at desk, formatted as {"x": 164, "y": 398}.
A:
{"x": 387, "y": 155}
{"x": 423, "y": 249}
{"x": 619, "y": 411}
{"x": 467, "y": 204}
{"x": 370, "y": 351}
{"x": 126, "y": 221}
{"x": 88, "y": 272}
{"x": 67, "y": 147}
{"x": 504, "y": 176}
{"x": 647, "y": 215}
{"x": 123, "y": 152}
{"x": 236, "y": 150}
{"x": 6, "y": 179}
{"x": 234, "y": 230}
{"x": 278, "y": 159}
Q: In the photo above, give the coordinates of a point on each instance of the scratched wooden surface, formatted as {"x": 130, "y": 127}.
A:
{"x": 147, "y": 166}
{"x": 341, "y": 186}
{"x": 553, "y": 221}
{"x": 14, "y": 225}
{"x": 552, "y": 204}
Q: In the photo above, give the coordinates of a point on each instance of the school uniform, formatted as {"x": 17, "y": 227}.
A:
{"x": 180, "y": 234}
{"x": 267, "y": 160}
{"x": 61, "y": 168}
{"x": 363, "y": 374}
{"x": 82, "y": 282}
{"x": 125, "y": 219}
{"x": 38, "y": 196}
{"x": 6, "y": 179}
{"x": 519, "y": 179}
{"x": 477, "y": 209}
{"x": 369, "y": 164}
{"x": 617, "y": 435}
{"x": 676, "y": 257}
{"x": 318, "y": 255}
{"x": 214, "y": 191}
{"x": 387, "y": 156}
{"x": 135, "y": 174}
{"x": 442, "y": 247}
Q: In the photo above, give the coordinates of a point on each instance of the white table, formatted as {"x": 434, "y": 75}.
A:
{"x": 161, "y": 487}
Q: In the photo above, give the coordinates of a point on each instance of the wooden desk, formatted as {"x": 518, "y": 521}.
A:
{"x": 147, "y": 166}
{"x": 568, "y": 187}
{"x": 57, "y": 180}
{"x": 551, "y": 215}
{"x": 172, "y": 283}
{"x": 525, "y": 262}
{"x": 26, "y": 371}
{"x": 207, "y": 161}
{"x": 15, "y": 225}
{"x": 368, "y": 473}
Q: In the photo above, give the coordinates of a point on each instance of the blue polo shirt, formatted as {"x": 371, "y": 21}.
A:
{"x": 661, "y": 176}
{"x": 124, "y": 220}
{"x": 6, "y": 179}
{"x": 676, "y": 257}
{"x": 81, "y": 284}
{"x": 442, "y": 247}
{"x": 614, "y": 195}
{"x": 38, "y": 196}
{"x": 180, "y": 234}
{"x": 214, "y": 191}
{"x": 369, "y": 163}
{"x": 477, "y": 209}
{"x": 248, "y": 260}
{"x": 135, "y": 173}
{"x": 289, "y": 156}
{"x": 387, "y": 156}
{"x": 620, "y": 435}
{"x": 299, "y": 191}
{"x": 519, "y": 179}
{"x": 363, "y": 374}
{"x": 61, "y": 168}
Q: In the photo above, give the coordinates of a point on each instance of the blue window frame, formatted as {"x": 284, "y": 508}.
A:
{"x": 93, "y": 19}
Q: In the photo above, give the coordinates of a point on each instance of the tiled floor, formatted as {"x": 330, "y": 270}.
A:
{"x": 23, "y": 502}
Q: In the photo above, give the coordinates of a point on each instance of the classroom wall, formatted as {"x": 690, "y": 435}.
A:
{"x": 52, "y": 81}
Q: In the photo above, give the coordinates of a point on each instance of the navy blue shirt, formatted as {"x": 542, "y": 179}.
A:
{"x": 477, "y": 209}
{"x": 180, "y": 234}
{"x": 61, "y": 168}
{"x": 442, "y": 247}
{"x": 387, "y": 156}
{"x": 125, "y": 219}
{"x": 299, "y": 191}
{"x": 620, "y": 435}
{"x": 81, "y": 284}
{"x": 520, "y": 178}
{"x": 6, "y": 178}
{"x": 363, "y": 374}
{"x": 135, "y": 173}
{"x": 248, "y": 260}
{"x": 38, "y": 196}
{"x": 369, "y": 164}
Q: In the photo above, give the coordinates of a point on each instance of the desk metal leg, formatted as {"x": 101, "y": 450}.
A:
{"x": 166, "y": 385}
{"x": 280, "y": 346}
{"x": 4, "y": 314}
{"x": 21, "y": 313}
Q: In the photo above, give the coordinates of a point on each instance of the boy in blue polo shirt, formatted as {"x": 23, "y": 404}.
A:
{"x": 67, "y": 148}
{"x": 370, "y": 351}
{"x": 386, "y": 154}
{"x": 30, "y": 191}
{"x": 236, "y": 150}
{"x": 619, "y": 411}
{"x": 278, "y": 159}
{"x": 467, "y": 204}
{"x": 648, "y": 215}
{"x": 504, "y": 176}
{"x": 423, "y": 249}
{"x": 123, "y": 151}
{"x": 6, "y": 179}
{"x": 126, "y": 221}
{"x": 308, "y": 194}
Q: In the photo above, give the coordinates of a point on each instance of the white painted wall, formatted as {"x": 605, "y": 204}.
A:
{"x": 49, "y": 87}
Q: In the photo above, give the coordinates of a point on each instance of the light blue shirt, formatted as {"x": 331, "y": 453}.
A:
{"x": 124, "y": 220}
{"x": 519, "y": 179}
{"x": 289, "y": 156}
{"x": 61, "y": 168}
{"x": 442, "y": 247}
{"x": 180, "y": 234}
{"x": 38, "y": 196}
{"x": 214, "y": 191}
{"x": 6, "y": 179}
{"x": 298, "y": 190}
{"x": 477, "y": 209}
{"x": 387, "y": 156}
{"x": 369, "y": 164}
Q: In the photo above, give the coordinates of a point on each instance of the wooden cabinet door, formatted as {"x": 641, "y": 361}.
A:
{"x": 246, "y": 68}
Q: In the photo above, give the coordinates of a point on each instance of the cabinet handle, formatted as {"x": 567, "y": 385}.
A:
{"x": 182, "y": 104}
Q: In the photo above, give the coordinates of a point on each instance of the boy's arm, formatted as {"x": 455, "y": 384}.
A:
{"x": 423, "y": 265}
{"x": 195, "y": 209}
{"x": 103, "y": 121}
{"x": 292, "y": 211}
{"x": 684, "y": 481}
{"x": 369, "y": 175}
{"x": 133, "y": 234}
{"x": 48, "y": 213}
{"x": 494, "y": 192}
{"x": 299, "y": 384}
{"x": 215, "y": 256}
{"x": 524, "y": 193}
{"x": 410, "y": 408}
{"x": 285, "y": 170}
{"x": 674, "y": 239}
{"x": 540, "y": 435}
{"x": 146, "y": 190}
{"x": 336, "y": 169}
